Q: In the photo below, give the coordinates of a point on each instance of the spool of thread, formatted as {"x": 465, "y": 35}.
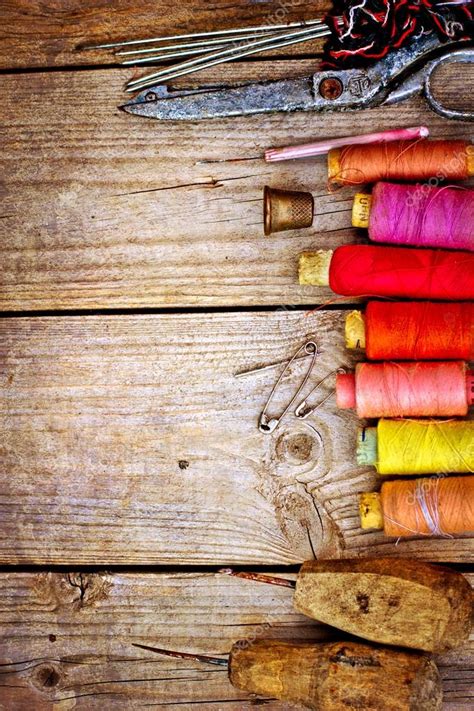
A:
{"x": 432, "y": 506}
{"x": 367, "y": 270}
{"x": 418, "y": 389}
{"x": 413, "y": 330}
{"x": 413, "y": 447}
{"x": 401, "y": 160}
{"x": 416, "y": 215}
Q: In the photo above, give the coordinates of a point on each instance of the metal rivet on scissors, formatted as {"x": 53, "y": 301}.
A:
{"x": 268, "y": 424}
{"x": 303, "y": 410}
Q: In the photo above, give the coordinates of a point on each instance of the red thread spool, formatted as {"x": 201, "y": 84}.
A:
{"x": 362, "y": 270}
{"x": 424, "y": 389}
{"x": 401, "y": 160}
{"x": 419, "y": 331}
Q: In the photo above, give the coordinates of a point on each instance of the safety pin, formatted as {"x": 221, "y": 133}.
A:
{"x": 303, "y": 410}
{"x": 269, "y": 424}
{"x": 270, "y": 366}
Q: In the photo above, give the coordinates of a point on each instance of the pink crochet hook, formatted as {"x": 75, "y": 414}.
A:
{"x": 307, "y": 150}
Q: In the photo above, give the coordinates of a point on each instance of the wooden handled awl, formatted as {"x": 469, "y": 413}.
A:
{"x": 395, "y": 601}
{"x": 335, "y": 676}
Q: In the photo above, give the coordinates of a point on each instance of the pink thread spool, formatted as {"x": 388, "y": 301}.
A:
{"x": 417, "y": 215}
{"x": 417, "y": 389}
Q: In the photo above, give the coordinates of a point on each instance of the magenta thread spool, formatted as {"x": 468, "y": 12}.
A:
{"x": 418, "y": 215}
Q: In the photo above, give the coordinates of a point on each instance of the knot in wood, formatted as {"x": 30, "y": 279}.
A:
{"x": 46, "y": 677}
{"x": 297, "y": 447}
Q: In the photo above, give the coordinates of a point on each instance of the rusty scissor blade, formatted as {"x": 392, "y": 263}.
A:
{"x": 254, "y": 98}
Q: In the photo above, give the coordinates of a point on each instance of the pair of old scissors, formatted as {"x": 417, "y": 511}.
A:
{"x": 401, "y": 74}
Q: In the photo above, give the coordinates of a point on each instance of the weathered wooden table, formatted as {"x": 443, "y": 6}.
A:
{"x": 135, "y": 281}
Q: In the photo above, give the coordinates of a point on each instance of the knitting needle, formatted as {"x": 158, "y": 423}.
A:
{"x": 190, "y": 45}
{"x": 189, "y": 49}
{"x": 214, "y": 33}
{"x": 214, "y": 58}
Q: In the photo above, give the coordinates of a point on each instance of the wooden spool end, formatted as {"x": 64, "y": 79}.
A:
{"x": 370, "y": 511}
{"x": 470, "y": 160}
{"x": 355, "y": 330}
{"x": 337, "y": 676}
{"x": 401, "y": 602}
{"x": 314, "y": 267}
{"x": 334, "y": 165}
{"x": 361, "y": 210}
{"x": 366, "y": 448}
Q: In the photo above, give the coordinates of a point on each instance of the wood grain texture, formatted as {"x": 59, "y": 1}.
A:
{"x": 67, "y": 640}
{"x": 128, "y": 440}
{"x": 100, "y": 209}
{"x": 47, "y": 33}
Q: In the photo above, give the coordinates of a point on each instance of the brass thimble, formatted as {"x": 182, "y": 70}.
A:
{"x": 286, "y": 210}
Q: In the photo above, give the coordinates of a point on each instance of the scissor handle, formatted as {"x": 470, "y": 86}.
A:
{"x": 462, "y": 56}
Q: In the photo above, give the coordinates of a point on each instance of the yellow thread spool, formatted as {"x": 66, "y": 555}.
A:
{"x": 418, "y": 447}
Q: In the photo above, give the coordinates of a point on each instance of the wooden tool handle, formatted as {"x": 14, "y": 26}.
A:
{"x": 389, "y": 600}
{"x": 337, "y": 676}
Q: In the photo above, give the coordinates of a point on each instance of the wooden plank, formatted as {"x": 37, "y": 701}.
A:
{"x": 45, "y": 33}
{"x": 67, "y": 640}
{"x": 128, "y": 440}
{"x": 103, "y": 210}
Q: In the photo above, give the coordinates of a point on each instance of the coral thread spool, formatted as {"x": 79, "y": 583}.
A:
{"x": 416, "y": 330}
{"x": 368, "y": 270}
{"x": 417, "y": 215}
{"x": 401, "y": 160}
{"x": 410, "y": 447}
{"x": 418, "y": 389}
{"x": 427, "y": 507}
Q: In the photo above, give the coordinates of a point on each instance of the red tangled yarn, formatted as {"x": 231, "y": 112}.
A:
{"x": 371, "y": 28}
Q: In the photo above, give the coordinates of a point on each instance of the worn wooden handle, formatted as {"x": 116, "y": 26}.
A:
{"x": 389, "y": 600}
{"x": 337, "y": 676}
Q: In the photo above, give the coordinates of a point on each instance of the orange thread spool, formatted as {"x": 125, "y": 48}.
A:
{"x": 419, "y": 331}
{"x": 401, "y": 160}
{"x": 430, "y": 507}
